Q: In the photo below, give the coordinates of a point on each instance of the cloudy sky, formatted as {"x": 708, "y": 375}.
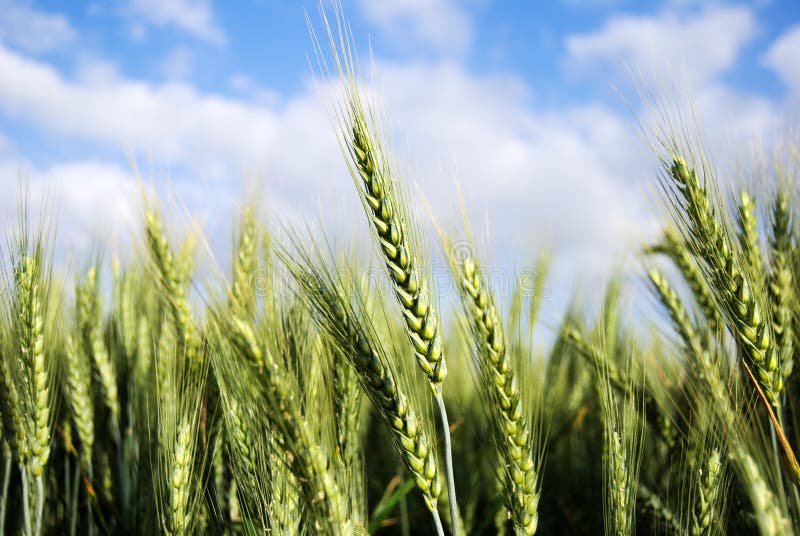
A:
{"x": 532, "y": 109}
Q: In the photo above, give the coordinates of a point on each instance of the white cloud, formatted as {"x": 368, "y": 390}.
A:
{"x": 178, "y": 63}
{"x": 575, "y": 177}
{"x": 689, "y": 48}
{"x": 23, "y": 26}
{"x": 782, "y": 57}
{"x": 570, "y": 177}
{"x": 195, "y": 17}
{"x": 96, "y": 202}
{"x": 172, "y": 122}
{"x": 243, "y": 84}
{"x": 443, "y": 24}
{"x": 512, "y": 159}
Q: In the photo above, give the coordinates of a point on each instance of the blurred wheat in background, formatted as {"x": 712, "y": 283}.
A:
{"x": 299, "y": 394}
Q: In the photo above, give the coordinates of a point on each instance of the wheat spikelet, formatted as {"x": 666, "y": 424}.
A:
{"x": 780, "y": 287}
{"x": 179, "y": 514}
{"x": 30, "y": 317}
{"x": 510, "y": 420}
{"x": 91, "y": 327}
{"x": 240, "y": 440}
{"x": 308, "y": 460}
{"x": 79, "y": 390}
{"x": 752, "y": 330}
{"x": 660, "y": 510}
{"x": 356, "y": 343}
{"x": 748, "y": 231}
{"x": 384, "y": 208}
{"x": 705, "y": 508}
{"x": 676, "y": 249}
{"x": 173, "y": 276}
{"x": 10, "y": 410}
{"x": 180, "y": 389}
{"x": 245, "y": 264}
{"x": 769, "y": 517}
{"x": 680, "y": 317}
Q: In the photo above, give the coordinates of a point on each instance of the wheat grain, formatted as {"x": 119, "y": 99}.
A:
{"x": 748, "y": 232}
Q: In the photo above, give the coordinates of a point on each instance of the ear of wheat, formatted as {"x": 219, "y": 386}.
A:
{"x": 356, "y": 342}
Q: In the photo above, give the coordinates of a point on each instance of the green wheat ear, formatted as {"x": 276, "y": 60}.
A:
{"x": 731, "y": 280}
{"x": 347, "y": 328}
{"x": 385, "y": 209}
{"x": 377, "y": 182}
{"x": 511, "y": 420}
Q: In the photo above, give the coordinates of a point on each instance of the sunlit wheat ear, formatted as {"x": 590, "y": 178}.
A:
{"x": 31, "y": 316}
{"x": 90, "y": 319}
{"x": 28, "y": 352}
{"x": 80, "y": 399}
{"x": 377, "y": 182}
{"x": 245, "y": 264}
{"x": 707, "y": 495}
{"x": 748, "y": 231}
{"x": 181, "y": 460}
{"x": 310, "y": 463}
{"x": 730, "y": 279}
{"x": 781, "y": 289}
{"x": 173, "y": 274}
{"x": 497, "y": 380}
{"x": 675, "y": 248}
{"x": 353, "y": 338}
{"x": 377, "y": 179}
{"x": 386, "y": 211}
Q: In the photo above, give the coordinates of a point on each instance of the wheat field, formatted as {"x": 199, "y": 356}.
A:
{"x": 291, "y": 396}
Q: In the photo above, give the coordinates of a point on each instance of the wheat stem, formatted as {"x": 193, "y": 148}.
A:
{"x": 448, "y": 460}
{"x": 39, "y": 504}
{"x": 26, "y": 508}
{"x": 6, "y": 481}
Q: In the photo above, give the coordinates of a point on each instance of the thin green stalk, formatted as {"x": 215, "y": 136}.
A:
{"x": 39, "y": 504}
{"x": 26, "y": 508}
{"x": 437, "y": 520}
{"x": 448, "y": 461}
{"x": 73, "y": 507}
{"x": 6, "y": 481}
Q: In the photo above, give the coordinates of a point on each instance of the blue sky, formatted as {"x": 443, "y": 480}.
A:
{"x": 518, "y": 100}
